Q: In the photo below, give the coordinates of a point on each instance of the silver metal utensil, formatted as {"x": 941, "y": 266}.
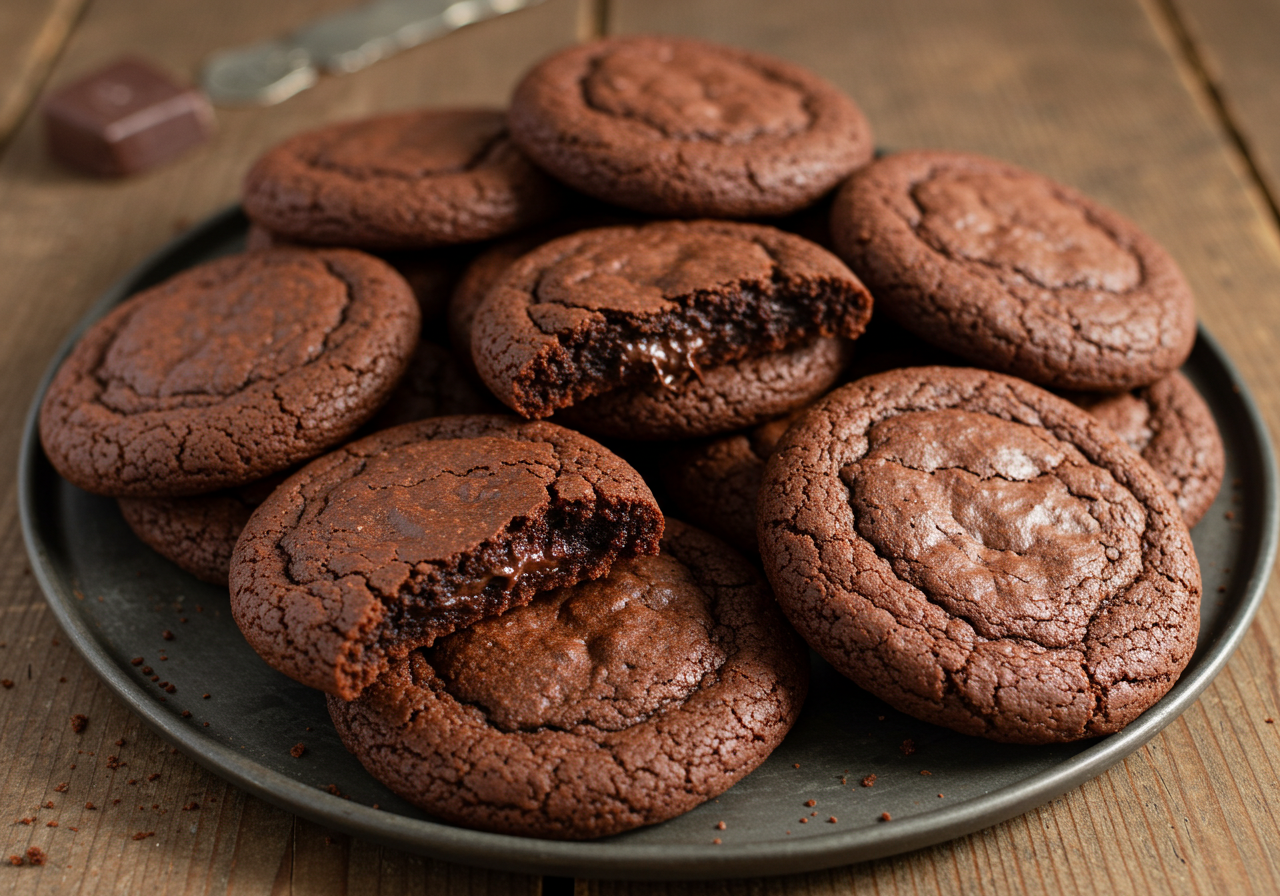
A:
{"x": 272, "y": 71}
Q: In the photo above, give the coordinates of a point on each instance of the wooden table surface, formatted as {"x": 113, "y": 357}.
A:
{"x": 1168, "y": 110}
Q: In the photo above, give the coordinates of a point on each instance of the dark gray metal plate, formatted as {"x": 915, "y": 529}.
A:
{"x": 114, "y": 597}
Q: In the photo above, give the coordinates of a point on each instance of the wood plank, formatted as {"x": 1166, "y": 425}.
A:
{"x": 64, "y": 238}
{"x": 1234, "y": 42}
{"x": 32, "y": 32}
{"x": 1094, "y": 93}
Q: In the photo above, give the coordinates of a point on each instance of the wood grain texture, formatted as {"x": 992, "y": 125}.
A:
{"x": 1235, "y": 41}
{"x": 1097, "y": 94}
{"x": 32, "y": 32}
{"x": 63, "y": 239}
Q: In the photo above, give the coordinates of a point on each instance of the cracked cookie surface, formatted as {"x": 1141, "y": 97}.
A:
{"x": 1170, "y": 425}
{"x": 980, "y": 554}
{"x": 657, "y": 305}
{"x": 411, "y": 180}
{"x": 229, "y": 372}
{"x": 673, "y": 126}
{"x": 595, "y": 709}
{"x": 1014, "y": 272}
{"x": 403, "y": 536}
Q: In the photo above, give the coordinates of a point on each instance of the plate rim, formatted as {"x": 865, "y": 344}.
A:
{"x": 609, "y": 859}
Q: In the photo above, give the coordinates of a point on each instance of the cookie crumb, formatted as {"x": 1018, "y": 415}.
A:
{"x": 36, "y": 855}
{"x": 143, "y": 835}
{"x": 62, "y": 679}
{"x": 153, "y": 776}
{"x": 206, "y": 724}
{"x": 90, "y": 806}
{"x": 832, "y": 820}
{"x": 147, "y": 670}
{"x": 27, "y": 820}
{"x": 720, "y": 825}
{"x": 167, "y": 635}
{"x": 186, "y": 713}
{"x": 171, "y": 689}
{"x": 880, "y": 718}
{"x": 16, "y": 860}
{"x": 795, "y": 765}
{"x": 804, "y": 821}
{"x": 120, "y": 742}
{"x": 907, "y": 747}
{"x": 939, "y": 796}
{"x": 191, "y": 806}
{"x": 885, "y": 816}
{"x": 716, "y": 841}
{"x": 1269, "y": 720}
{"x": 1230, "y": 514}
{"x": 79, "y": 722}
{"x": 333, "y": 788}
{"x": 869, "y": 781}
{"x": 205, "y": 697}
{"x": 297, "y": 750}
{"x": 113, "y": 762}
{"x": 136, "y": 661}
{"x": 48, "y": 804}
{"x": 51, "y": 824}
{"x": 62, "y": 788}
{"x": 925, "y": 771}
{"x": 811, "y": 803}
{"x": 6, "y": 683}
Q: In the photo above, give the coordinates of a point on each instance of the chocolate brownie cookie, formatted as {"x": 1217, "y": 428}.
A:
{"x": 981, "y": 554}
{"x": 401, "y": 537}
{"x": 673, "y": 126}
{"x": 716, "y": 482}
{"x": 595, "y": 709}
{"x": 1169, "y": 424}
{"x": 426, "y": 178}
{"x": 618, "y": 307}
{"x": 200, "y": 532}
{"x": 487, "y": 268}
{"x": 229, "y": 372}
{"x": 1014, "y": 272}
{"x": 721, "y": 399}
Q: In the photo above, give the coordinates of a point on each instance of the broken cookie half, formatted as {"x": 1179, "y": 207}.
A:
{"x": 394, "y": 540}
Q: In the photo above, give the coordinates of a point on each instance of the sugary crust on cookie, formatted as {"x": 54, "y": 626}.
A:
{"x": 411, "y": 180}
{"x": 596, "y": 709}
{"x": 1170, "y": 425}
{"x": 401, "y": 537}
{"x": 673, "y": 126}
{"x": 229, "y": 372}
{"x": 616, "y": 307}
{"x": 1014, "y": 272}
{"x": 981, "y": 554}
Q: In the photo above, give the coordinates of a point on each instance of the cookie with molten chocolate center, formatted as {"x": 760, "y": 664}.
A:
{"x": 981, "y": 554}
{"x": 659, "y": 304}
{"x": 672, "y": 126}
{"x": 434, "y": 177}
{"x": 401, "y": 537}
{"x": 1014, "y": 272}
{"x": 228, "y": 372}
{"x": 1170, "y": 425}
{"x": 595, "y": 709}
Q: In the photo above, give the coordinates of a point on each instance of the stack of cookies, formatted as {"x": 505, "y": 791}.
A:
{"x": 637, "y": 255}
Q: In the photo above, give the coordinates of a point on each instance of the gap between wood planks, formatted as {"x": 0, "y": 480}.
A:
{"x": 1165, "y": 14}
{"x": 41, "y": 56}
